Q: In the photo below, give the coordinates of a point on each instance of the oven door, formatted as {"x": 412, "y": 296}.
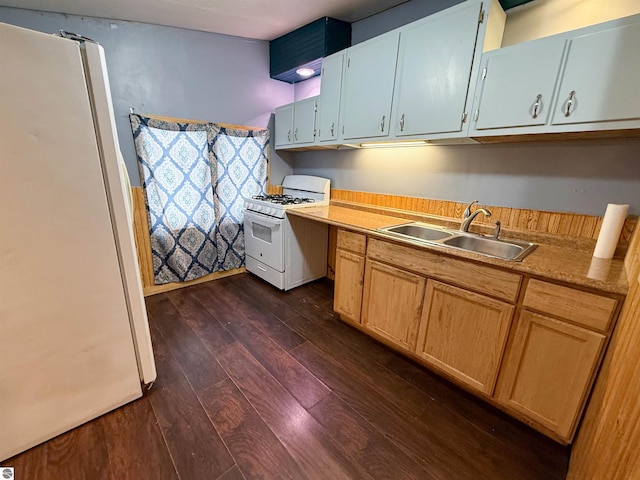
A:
{"x": 264, "y": 239}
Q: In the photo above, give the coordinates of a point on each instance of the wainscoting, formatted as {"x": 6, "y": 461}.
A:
{"x": 607, "y": 443}
{"x": 559, "y": 223}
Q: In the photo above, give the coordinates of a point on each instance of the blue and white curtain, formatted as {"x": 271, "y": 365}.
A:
{"x": 195, "y": 176}
{"x": 239, "y": 171}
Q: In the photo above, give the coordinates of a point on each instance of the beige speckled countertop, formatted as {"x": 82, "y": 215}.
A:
{"x": 566, "y": 261}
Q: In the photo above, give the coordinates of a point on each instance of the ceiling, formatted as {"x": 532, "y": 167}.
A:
{"x": 260, "y": 19}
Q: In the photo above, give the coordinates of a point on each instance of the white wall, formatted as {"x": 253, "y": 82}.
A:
{"x": 176, "y": 73}
{"x": 579, "y": 177}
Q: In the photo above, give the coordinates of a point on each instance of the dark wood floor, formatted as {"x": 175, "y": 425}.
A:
{"x": 257, "y": 383}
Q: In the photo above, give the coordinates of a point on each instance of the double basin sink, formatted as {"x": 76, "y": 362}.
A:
{"x": 435, "y": 235}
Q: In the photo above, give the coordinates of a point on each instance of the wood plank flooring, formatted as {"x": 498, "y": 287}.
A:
{"x": 254, "y": 383}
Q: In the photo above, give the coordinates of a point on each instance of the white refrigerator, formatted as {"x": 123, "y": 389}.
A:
{"x": 74, "y": 337}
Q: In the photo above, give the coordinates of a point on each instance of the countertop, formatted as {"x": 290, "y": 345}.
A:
{"x": 561, "y": 259}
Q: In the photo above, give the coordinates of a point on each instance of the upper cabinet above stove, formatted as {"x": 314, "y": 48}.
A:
{"x": 580, "y": 81}
{"x": 327, "y": 118}
{"x": 295, "y": 124}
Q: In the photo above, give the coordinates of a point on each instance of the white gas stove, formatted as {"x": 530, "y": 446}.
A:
{"x": 287, "y": 251}
{"x": 297, "y": 191}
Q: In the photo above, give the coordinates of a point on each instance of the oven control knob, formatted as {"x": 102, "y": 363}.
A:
{"x": 249, "y": 206}
{"x": 259, "y": 208}
{"x": 272, "y": 211}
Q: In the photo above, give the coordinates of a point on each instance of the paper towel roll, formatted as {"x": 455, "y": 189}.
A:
{"x": 614, "y": 218}
{"x": 599, "y": 268}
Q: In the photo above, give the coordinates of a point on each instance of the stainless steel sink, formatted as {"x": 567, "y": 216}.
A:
{"x": 508, "y": 250}
{"x": 421, "y": 231}
{"x": 417, "y": 232}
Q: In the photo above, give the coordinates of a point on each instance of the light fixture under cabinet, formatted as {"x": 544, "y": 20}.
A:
{"x": 305, "y": 72}
{"x": 405, "y": 143}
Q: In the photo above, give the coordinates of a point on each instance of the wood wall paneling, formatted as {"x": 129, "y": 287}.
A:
{"x": 331, "y": 252}
{"x": 607, "y": 443}
{"x": 141, "y": 235}
{"x": 561, "y": 223}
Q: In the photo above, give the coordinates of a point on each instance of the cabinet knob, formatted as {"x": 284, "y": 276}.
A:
{"x": 537, "y": 106}
{"x": 570, "y": 101}
{"x": 295, "y": 134}
{"x": 333, "y": 124}
{"x": 402, "y": 123}
{"x": 382, "y": 123}
{"x": 289, "y": 135}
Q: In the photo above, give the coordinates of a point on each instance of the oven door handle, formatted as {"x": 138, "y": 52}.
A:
{"x": 262, "y": 221}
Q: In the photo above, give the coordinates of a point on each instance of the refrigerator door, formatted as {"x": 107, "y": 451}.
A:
{"x": 119, "y": 193}
{"x": 67, "y": 351}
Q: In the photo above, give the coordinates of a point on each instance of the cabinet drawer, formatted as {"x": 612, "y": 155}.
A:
{"x": 586, "y": 309}
{"x": 353, "y": 242}
{"x": 493, "y": 282}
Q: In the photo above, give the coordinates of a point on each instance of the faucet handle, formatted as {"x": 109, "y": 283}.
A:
{"x": 496, "y": 232}
{"x": 467, "y": 211}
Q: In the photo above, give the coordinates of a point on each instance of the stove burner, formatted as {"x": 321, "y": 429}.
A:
{"x": 283, "y": 199}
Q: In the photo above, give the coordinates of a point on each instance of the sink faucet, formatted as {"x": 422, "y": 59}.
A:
{"x": 468, "y": 216}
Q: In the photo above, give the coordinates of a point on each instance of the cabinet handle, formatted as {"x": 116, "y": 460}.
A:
{"x": 537, "y": 105}
{"x": 570, "y": 102}
{"x": 289, "y": 135}
{"x": 382, "y": 123}
{"x": 333, "y": 124}
{"x": 295, "y": 135}
{"x": 402, "y": 123}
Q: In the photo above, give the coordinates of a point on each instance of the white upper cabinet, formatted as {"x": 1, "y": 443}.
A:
{"x": 284, "y": 125}
{"x": 517, "y": 84}
{"x": 329, "y": 101}
{"x": 368, "y": 87}
{"x": 586, "y": 80}
{"x": 304, "y": 121}
{"x": 295, "y": 124}
{"x": 434, "y": 66}
{"x": 601, "y": 81}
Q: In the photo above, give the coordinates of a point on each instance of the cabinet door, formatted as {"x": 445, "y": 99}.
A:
{"x": 304, "y": 121}
{"x": 548, "y": 371}
{"x": 464, "y": 334}
{"x": 601, "y": 78}
{"x": 434, "y": 66}
{"x": 347, "y": 299}
{"x": 329, "y": 101}
{"x": 368, "y": 87}
{"x": 284, "y": 125}
{"x": 519, "y": 84}
{"x": 392, "y": 303}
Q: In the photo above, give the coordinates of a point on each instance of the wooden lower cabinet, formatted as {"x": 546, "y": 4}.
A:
{"x": 392, "y": 303}
{"x": 548, "y": 371}
{"x": 464, "y": 334}
{"x": 347, "y": 300}
{"x": 538, "y": 366}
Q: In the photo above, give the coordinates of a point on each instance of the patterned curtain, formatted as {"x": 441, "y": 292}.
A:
{"x": 239, "y": 171}
{"x": 193, "y": 230}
